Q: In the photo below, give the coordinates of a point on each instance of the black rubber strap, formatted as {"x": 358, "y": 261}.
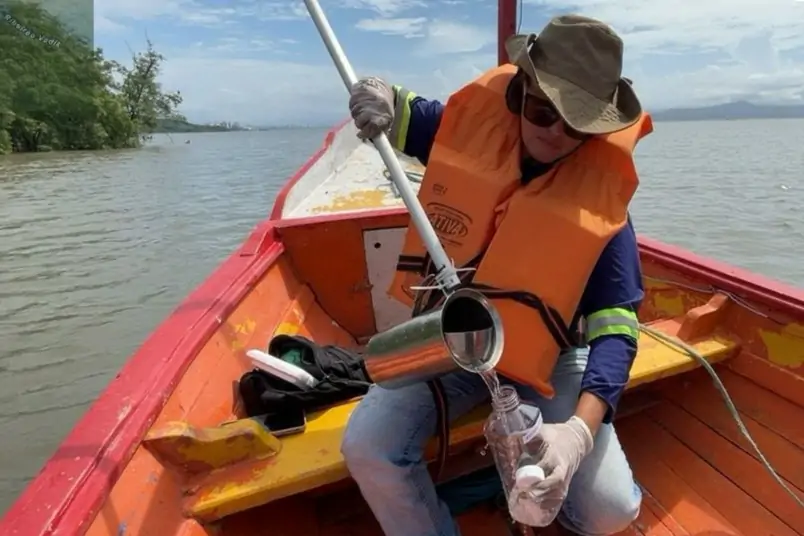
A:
{"x": 442, "y": 427}
{"x": 559, "y": 330}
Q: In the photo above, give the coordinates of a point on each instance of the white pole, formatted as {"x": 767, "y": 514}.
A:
{"x": 446, "y": 275}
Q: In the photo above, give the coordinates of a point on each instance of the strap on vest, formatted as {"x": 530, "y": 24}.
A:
{"x": 564, "y": 335}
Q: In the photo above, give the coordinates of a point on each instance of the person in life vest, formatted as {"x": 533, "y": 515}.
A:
{"x": 529, "y": 175}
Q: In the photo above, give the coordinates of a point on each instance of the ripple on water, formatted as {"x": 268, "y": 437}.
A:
{"x": 96, "y": 249}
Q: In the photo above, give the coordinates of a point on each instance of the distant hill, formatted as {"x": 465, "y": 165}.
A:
{"x": 177, "y": 125}
{"x": 731, "y": 110}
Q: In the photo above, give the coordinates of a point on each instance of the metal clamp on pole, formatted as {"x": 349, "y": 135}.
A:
{"x": 446, "y": 274}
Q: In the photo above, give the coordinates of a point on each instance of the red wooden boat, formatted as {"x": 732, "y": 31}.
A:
{"x": 166, "y": 450}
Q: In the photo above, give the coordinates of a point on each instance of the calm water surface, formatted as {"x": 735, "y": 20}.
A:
{"x": 97, "y": 248}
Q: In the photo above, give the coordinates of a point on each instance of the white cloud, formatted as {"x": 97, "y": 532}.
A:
{"x": 450, "y": 37}
{"x": 273, "y": 10}
{"x": 409, "y": 27}
{"x": 717, "y": 84}
{"x": 211, "y": 18}
{"x": 236, "y": 45}
{"x": 193, "y": 12}
{"x": 441, "y": 36}
{"x": 252, "y": 91}
{"x": 384, "y": 7}
{"x": 679, "y": 54}
{"x": 697, "y": 24}
{"x": 140, "y": 9}
{"x": 249, "y": 91}
{"x": 693, "y": 52}
{"x": 444, "y": 76}
{"x": 103, "y": 24}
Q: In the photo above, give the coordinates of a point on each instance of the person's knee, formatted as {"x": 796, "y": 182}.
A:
{"x": 360, "y": 443}
{"x": 603, "y": 512}
{"x": 622, "y": 509}
{"x": 357, "y": 449}
{"x": 603, "y": 497}
{"x": 384, "y": 430}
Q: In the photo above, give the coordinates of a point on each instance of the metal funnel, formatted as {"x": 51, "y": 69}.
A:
{"x": 465, "y": 332}
{"x": 472, "y": 330}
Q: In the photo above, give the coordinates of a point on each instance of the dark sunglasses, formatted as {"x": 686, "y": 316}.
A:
{"x": 543, "y": 114}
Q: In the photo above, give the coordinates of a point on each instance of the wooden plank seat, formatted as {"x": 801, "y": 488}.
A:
{"x": 218, "y": 484}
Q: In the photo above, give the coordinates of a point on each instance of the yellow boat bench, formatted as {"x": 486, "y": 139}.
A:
{"x": 240, "y": 465}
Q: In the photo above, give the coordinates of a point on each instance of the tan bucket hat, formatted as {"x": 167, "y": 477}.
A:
{"x": 577, "y": 63}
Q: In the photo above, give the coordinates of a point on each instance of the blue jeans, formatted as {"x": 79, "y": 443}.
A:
{"x": 384, "y": 446}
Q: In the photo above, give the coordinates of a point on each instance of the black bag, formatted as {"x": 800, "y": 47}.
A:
{"x": 341, "y": 375}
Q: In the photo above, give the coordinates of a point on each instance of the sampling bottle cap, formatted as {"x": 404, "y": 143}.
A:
{"x": 528, "y": 476}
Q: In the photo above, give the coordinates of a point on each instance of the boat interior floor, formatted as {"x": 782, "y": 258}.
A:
{"x": 698, "y": 474}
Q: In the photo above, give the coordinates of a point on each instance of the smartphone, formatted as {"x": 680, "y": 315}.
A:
{"x": 288, "y": 423}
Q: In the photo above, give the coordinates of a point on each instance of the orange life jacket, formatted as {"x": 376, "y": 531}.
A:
{"x": 542, "y": 239}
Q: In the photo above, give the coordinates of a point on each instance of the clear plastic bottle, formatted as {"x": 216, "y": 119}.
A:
{"x": 510, "y": 426}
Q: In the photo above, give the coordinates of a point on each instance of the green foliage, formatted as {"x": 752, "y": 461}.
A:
{"x": 58, "y": 93}
{"x": 142, "y": 95}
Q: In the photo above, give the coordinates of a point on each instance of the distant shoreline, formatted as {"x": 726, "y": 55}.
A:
{"x": 732, "y": 111}
{"x": 657, "y": 117}
{"x": 178, "y": 126}
{"x": 714, "y": 119}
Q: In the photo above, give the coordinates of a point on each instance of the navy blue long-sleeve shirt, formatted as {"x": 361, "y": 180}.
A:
{"x": 615, "y": 282}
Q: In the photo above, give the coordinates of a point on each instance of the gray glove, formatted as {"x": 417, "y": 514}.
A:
{"x": 372, "y": 107}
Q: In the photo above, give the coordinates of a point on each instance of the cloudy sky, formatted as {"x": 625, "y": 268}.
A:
{"x": 261, "y": 62}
